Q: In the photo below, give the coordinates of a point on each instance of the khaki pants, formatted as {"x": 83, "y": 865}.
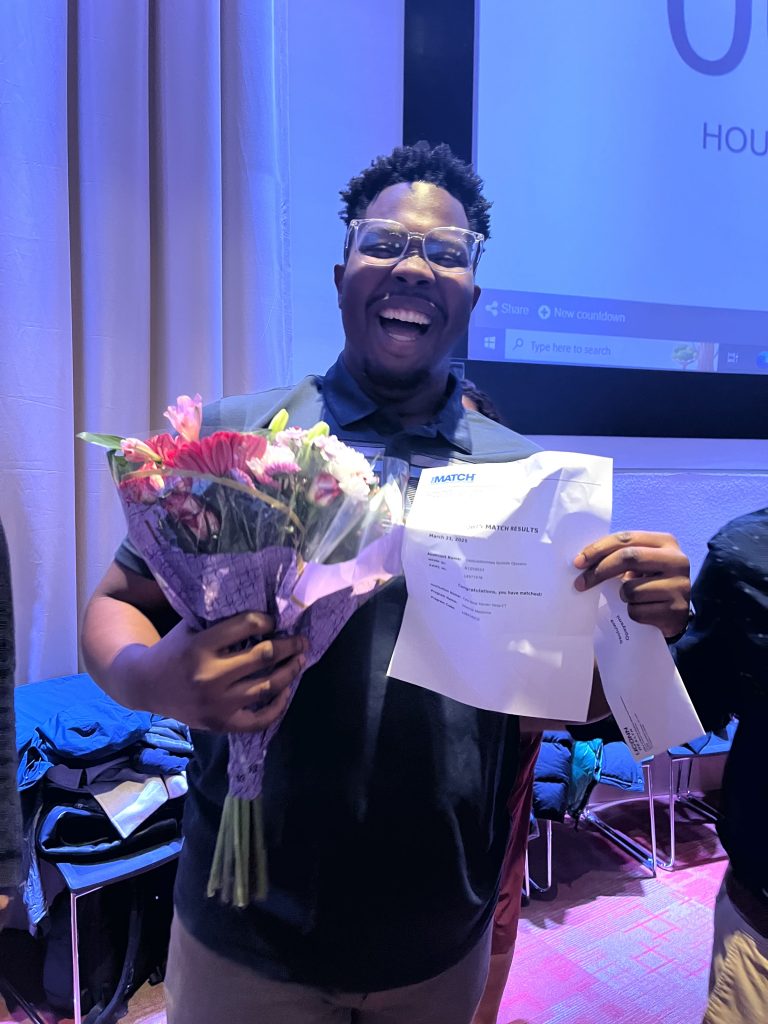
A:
{"x": 738, "y": 982}
{"x": 202, "y": 987}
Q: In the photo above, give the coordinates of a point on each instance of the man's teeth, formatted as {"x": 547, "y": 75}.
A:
{"x": 408, "y": 316}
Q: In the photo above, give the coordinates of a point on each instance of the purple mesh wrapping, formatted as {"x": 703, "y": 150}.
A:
{"x": 204, "y": 588}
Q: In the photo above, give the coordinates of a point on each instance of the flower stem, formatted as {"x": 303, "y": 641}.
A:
{"x": 216, "y": 875}
{"x": 228, "y": 826}
{"x": 259, "y": 850}
{"x": 241, "y": 841}
{"x": 239, "y": 870}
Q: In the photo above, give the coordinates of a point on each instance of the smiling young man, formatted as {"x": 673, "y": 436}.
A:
{"x": 385, "y": 804}
{"x": 401, "y": 314}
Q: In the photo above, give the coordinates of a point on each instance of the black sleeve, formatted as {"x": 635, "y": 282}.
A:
{"x": 127, "y": 556}
{"x": 10, "y": 814}
{"x": 708, "y": 655}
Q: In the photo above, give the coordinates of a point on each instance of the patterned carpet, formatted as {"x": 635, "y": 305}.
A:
{"x": 614, "y": 945}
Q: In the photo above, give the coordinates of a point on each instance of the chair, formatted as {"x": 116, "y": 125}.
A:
{"x": 619, "y": 770}
{"x": 680, "y": 764}
{"x": 613, "y": 758}
{"x": 37, "y": 702}
{"x": 711, "y": 744}
{"x": 647, "y": 856}
{"x": 81, "y": 879}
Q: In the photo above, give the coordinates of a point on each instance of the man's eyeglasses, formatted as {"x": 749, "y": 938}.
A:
{"x": 383, "y": 243}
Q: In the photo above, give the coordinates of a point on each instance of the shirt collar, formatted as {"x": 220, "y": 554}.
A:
{"x": 350, "y": 405}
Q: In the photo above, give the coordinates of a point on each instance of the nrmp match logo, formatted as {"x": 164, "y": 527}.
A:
{"x": 448, "y": 478}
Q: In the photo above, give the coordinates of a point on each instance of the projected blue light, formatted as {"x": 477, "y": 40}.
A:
{"x": 625, "y": 148}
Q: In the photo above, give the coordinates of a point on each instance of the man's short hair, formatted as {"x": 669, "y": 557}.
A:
{"x": 420, "y": 162}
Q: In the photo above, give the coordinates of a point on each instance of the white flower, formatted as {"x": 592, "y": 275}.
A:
{"x": 348, "y": 466}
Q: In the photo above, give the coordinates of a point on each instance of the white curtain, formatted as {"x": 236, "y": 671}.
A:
{"x": 143, "y": 254}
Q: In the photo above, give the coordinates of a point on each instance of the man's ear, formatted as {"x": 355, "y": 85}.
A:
{"x": 338, "y": 279}
{"x": 478, "y": 293}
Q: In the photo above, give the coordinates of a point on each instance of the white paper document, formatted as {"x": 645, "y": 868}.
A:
{"x": 640, "y": 680}
{"x": 492, "y": 617}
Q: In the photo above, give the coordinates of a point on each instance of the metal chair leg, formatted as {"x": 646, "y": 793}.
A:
{"x": 651, "y": 812}
{"x": 636, "y": 850}
{"x": 689, "y": 799}
{"x": 528, "y": 882}
{"x": 680, "y": 793}
{"x": 549, "y": 853}
{"x": 75, "y": 947}
{"x": 689, "y": 766}
{"x": 77, "y": 1008}
{"x": 668, "y": 865}
{"x": 673, "y": 794}
{"x": 9, "y": 989}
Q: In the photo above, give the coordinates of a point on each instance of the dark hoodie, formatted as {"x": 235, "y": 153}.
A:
{"x": 10, "y": 817}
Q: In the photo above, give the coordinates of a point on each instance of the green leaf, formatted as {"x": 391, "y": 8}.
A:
{"x": 111, "y": 441}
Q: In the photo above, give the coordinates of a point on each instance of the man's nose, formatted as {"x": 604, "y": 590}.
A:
{"x": 413, "y": 268}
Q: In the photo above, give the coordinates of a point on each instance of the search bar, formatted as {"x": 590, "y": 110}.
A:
{"x": 600, "y": 350}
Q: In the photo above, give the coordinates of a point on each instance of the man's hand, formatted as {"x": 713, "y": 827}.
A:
{"x": 208, "y": 680}
{"x": 655, "y": 574}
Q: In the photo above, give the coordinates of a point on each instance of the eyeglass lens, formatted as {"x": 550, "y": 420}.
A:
{"x": 446, "y": 248}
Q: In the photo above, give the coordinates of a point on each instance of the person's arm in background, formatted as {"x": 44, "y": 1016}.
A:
{"x": 139, "y": 652}
{"x": 710, "y": 654}
{"x": 10, "y": 813}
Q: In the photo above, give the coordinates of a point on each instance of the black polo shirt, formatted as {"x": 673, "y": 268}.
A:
{"x": 385, "y": 804}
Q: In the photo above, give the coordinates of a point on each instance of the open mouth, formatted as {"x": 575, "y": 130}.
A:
{"x": 404, "y": 324}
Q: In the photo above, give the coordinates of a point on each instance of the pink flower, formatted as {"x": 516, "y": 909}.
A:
{"x": 151, "y": 455}
{"x": 193, "y": 513}
{"x": 137, "y": 451}
{"x": 275, "y": 461}
{"x": 220, "y": 454}
{"x": 160, "y": 448}
{"x": 323, "y": 490}
{"x": 186, "y": 416}
{"x": 165, "y": 446}
{"x": 291, "y": 437}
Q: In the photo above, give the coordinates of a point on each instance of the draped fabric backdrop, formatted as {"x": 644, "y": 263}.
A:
{"x": 145, "y": 150}
{"x": 143, "y": 254}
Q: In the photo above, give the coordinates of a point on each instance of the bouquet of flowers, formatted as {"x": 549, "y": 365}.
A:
{"x": 286, "y": 521}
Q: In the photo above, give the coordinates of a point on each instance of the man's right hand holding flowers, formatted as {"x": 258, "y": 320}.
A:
{"x": 204, "y": 678}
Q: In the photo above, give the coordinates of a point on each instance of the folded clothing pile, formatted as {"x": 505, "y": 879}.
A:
{"x": 97, "y": 780}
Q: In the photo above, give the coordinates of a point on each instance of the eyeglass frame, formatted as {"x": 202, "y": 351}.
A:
{"x": 477, "y": 237}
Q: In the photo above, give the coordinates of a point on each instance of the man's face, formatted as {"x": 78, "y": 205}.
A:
{"x": 399, "y": 353}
